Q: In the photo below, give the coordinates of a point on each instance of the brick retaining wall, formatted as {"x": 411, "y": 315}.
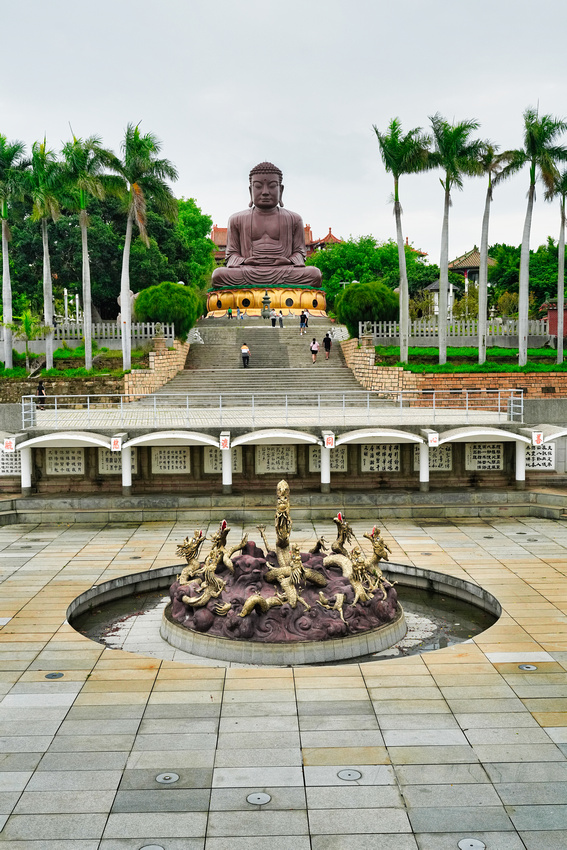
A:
{"x": 164, "y": 365}
{"x": 360, "y": 357}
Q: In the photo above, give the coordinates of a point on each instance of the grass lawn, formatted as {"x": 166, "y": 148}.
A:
{"x": 465, "y": 359}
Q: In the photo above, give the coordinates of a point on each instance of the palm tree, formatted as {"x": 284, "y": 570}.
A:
{"x": 402, "y": 154}
{"x": 542, "y": 154}
{"x": 84, "y": 161}
{"x": 144, "y": 177}
{"x": 28, "y": 328}
{"x": 491, "y": 164}
{"x": 560, "y": 190}
{"x": 12, "y": 165}
{"x": 44, "y": 186}
{"x": 457, "y": 155}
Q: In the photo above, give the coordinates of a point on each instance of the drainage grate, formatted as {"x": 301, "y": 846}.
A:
{"x": 471, "y": 844}
{"x": 258, "y": 798}
{"x": 167, "y": 778}
{"x": 54, "y": 675}
{"x": 527, "y": 667}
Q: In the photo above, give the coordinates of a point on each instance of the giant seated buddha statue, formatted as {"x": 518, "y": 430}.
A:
{"x": 265, "y": 250}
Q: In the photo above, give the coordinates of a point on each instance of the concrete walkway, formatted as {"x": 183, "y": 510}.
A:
{"x": 453, "y": 744}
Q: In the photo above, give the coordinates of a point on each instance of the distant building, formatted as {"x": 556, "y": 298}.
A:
{"x": 469, "y": 265}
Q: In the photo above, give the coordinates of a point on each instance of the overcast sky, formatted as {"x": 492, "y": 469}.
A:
{"x": 229, "y": 83}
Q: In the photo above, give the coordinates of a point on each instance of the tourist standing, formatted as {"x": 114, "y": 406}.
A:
{"x": 229, "y": 312}
{"x": 280, "y": 319}
{"x": 314, "y": 349}
{"x": 238, "y": 314}
{"x": 327, "y": 343}
{"x": 245, "y": 352}
{"x": 41, "y": 396}
{"x": 302, "y": 323}
{"x": 273, "y": 317}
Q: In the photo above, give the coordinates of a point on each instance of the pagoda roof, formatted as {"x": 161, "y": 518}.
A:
{"x": 470, "y": 260}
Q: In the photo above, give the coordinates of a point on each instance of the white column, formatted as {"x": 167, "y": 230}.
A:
{"x": 325, "y": 470}
{"x": 423, "y": 467}
{"x": 126, "y": 458}
{"x": 520, "y": 465}
{"x": 26, "y": 472}
{"x": 226, "y": 456}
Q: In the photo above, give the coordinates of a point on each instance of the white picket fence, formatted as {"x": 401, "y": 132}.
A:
{"x": 458, "y": 333}
{"x": 105, "y": 334}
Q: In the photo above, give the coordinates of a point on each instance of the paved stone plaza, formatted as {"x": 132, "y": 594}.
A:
{"x": 450, "y": 744}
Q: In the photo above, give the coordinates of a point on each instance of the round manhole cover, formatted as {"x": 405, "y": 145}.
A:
{"x": 471, "y": 844}
{"x": 527, "y": 667}
{"x": 349, "y": 775}
{"x": 152, "y": 847}
{"x": 167, "y": 778}
{"x": 54, "y": 675}
{"x": 258, "y": 798}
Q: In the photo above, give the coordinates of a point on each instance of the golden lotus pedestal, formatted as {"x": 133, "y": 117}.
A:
{"x": 289, "y": 301}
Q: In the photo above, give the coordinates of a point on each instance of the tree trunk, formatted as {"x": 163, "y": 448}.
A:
{"x": 444, "y": 280}
{"x": 47, "y": 297}
{"x": 404, "y": 294}
{"x": 483, "y": 279}
{"x": 561, "y": 284}
{"x": 125, "y": 317}
{"x": 6, "y": 297}
{"x": 87, "y": 312}
{"x": 524, "y": 299}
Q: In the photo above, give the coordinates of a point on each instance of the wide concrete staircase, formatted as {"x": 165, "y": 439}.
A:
{"x": 280, "y": 361}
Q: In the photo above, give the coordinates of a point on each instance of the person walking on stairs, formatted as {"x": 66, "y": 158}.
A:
{"x": 280, "y": 319}
{"x": 314, "y": 349}
{"x": 245, "y": 352}
{"x": 327, "y": 343}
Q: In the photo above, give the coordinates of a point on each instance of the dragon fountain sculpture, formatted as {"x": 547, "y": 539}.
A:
{"x": 233, "y": 595}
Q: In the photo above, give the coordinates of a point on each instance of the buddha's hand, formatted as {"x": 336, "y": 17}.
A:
{"x": 282, "y": 261}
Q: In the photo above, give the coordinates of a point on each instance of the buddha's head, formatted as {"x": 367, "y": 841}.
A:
{"x": 266, "y": 187}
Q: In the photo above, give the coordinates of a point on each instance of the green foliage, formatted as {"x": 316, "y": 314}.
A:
{"x": 505, "y": 275}
{"x": 180, "y": 251}
{"x": 467, "y": 306}
{"x": 365, "y": 259}
{"x": 170, "y": 302}
{"x": 360, "y": 302}
{"x": 422, "y": 306}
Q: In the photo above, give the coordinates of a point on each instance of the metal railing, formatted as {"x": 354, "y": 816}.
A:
{"x": 104, "y": 332}
{"x": 273, "y": 409}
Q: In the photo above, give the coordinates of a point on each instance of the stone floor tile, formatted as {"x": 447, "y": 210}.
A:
{"x": 463, "y": 819}
{"x": 548, "y": 839}
{"x": 532, "y": 793}
{"x": 424, "y": 737}
{"x": 19, "y": 761}
{"x": 83, "y": 761}
{"x": 527, "y": 772}
{"x": 443, "y": 796}
{"x": 233, "y": 777}
{"x": 167, "y": 799}
{"x": 265, "y": 822}
{"x": 492, "y": 840}
{"x": 353, "y": 796}
{"x": 371, "y": 774}
{"x": 145, "y": 779}
{"x": 268, "y": 725}
{"x": 173, "y": 759}
{"x": 391, "y": 841}
{"x": 137, "y": 843}
{"x": 344, "y": 755}
{"x": 346, "y": 738}
{"x": 141, "y": 825}
{"x": 64, "y": 802}
{"x": 262, "y": 757}
{"x": 277, "y": 842}
{"x": 432, "y": 755}
{"x": 74, "y": 780}
{"x": 498, "y": 720}
{"x": 53, "y": 827}
{"x": 231, "y": 799}
{"x": 518, "y": 752}
{"x": 544, "y": 817}
{"x": 440, "y": 774}
{"x": 375, "y": 821}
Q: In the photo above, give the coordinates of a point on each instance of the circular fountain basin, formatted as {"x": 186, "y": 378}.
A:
{"x": 429, "y": 583}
